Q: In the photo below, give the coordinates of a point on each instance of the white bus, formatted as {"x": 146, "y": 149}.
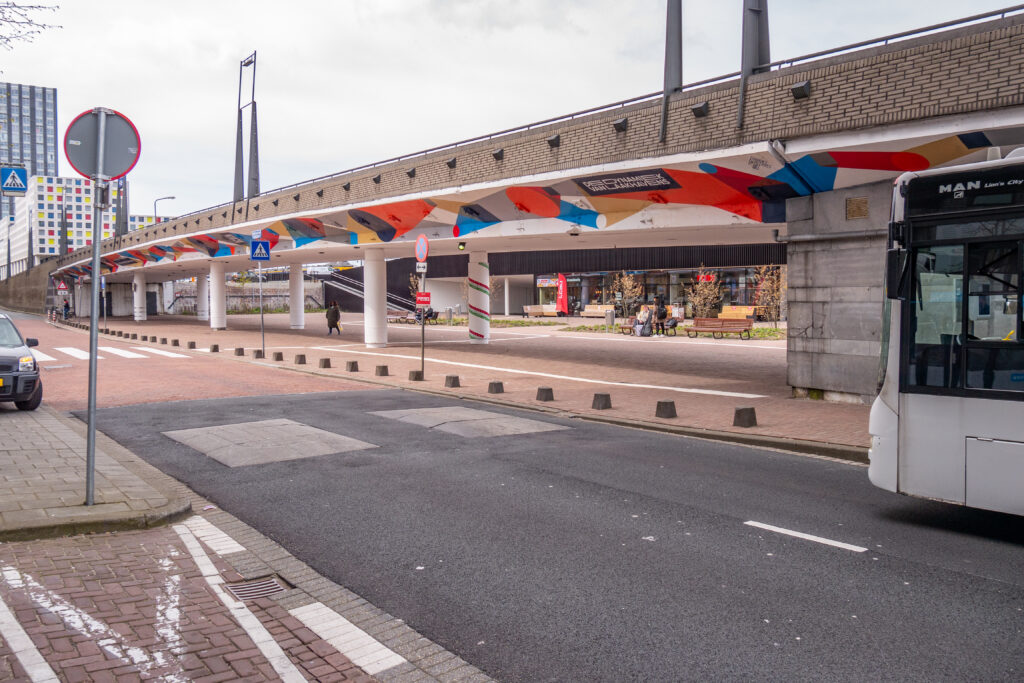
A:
{"x": 948, "y": 422}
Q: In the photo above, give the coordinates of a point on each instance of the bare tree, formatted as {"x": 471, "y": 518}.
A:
{"x": 704, "y": 294}
{"x": 630, "y": 287}
{"x": 18, "y": 22}
{"x": 771, "y": 288}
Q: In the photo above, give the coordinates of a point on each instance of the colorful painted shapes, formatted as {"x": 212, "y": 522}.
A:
{"x": 872, "y": 161}
{"x": 393, "y": 220}
{"x": 205, "y": 244}
{"x": 471, "y": 218}
{"x": 759, "y": 188}
{"x": 539, "y": 201}
{"x": 301, "y": 230}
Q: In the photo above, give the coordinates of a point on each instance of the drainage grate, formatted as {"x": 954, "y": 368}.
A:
{"x": 258, "y": 588}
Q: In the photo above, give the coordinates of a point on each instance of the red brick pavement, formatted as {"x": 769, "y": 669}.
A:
{"x": 134, "y": 605}
{"x": 661, "y": 365}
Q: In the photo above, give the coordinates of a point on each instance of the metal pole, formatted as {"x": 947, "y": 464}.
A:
{"x": 263, "y": 338}
{"x": 99, "y": 199}
{"x": 423, "y": 331}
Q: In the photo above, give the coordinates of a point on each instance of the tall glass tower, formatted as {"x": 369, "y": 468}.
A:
{"x": 28, "y": 136}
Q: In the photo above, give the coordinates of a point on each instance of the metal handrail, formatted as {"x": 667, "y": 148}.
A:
{"x": 884, "y": 40}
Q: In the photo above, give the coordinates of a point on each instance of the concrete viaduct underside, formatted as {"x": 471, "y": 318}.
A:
{"x": 818, "y": 169}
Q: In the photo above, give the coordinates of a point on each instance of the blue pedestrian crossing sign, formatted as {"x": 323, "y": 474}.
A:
{"x": 259, "y": 250}
{"x": 13, "y": 181}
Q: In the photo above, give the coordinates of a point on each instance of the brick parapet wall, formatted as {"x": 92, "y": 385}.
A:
{"x": 970, "y": 69}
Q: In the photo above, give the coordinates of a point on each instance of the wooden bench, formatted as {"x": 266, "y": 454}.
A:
{"x": 400, "y": 317}
{"x": 738, "y": 312}
{"x": 718, "y": 327}
{"x": 627, "y": 327}
{"x": 540, "y": 310}
{"x": 596, "y": 310}
{"x": 673, "y": 330}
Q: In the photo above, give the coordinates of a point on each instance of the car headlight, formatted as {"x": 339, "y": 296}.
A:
{"x": 26, "y": 364}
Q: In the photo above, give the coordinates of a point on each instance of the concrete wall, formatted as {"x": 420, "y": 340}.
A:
{"x": 26, "y": 291}
{"x": 835, "y": 290}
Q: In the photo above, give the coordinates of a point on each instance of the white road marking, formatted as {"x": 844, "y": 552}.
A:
{"x": 76, "y": 353}
{"x": 208, "y": 533}
{"x": 683, "y": 390}
{"x": 246, "y": 619}
{"x": 24, "y": 649}
{"x": 115, "y": 644}
{"x": 159, "y": 352}
{"x": 364, "y": 651}
{"x": 121, "y": 352}
{"x": 807, "y": 537}
{"x": 41, "y": 357}
{"x": 677, "y": 339}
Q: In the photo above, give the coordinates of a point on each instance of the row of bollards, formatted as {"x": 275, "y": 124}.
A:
{"x": 744, "y": 416}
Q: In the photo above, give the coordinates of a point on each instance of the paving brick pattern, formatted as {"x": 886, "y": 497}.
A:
{"x": 134, "y": 604}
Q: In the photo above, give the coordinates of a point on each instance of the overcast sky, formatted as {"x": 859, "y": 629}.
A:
{"x": 346, "y": 82}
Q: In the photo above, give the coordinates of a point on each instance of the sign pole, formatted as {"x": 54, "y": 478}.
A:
{"x": 423, "y": 330}
{"x": 263, "y": 337}
{"x": 99, "y": 188}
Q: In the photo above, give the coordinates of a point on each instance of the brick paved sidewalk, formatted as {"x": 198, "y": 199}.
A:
{"x": 157, "y": 603}
{"x": 43, "y": 482}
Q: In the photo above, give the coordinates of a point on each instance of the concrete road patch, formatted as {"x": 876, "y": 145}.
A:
{"x": 469, "y": 422}
{"x": 265, "y": 441}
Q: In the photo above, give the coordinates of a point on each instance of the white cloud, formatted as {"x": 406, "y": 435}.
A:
{"x": 345, "y": 82}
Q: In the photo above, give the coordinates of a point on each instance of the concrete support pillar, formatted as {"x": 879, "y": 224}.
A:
{"x": 168, "y": 293}
{"x": 138, "y": 295}
{"x": 375, "y": 299}
{"x": 296, "y": 297}
{"x": 218, "y": 297}
{"x": 203, "y": 297}
{"x": 506, "y": 298}
{"x": 479, "y": 303}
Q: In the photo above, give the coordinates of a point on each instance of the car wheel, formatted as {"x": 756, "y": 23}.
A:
{"x": 33, "y": 402}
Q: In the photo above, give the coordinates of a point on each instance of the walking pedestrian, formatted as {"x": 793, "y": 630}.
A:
{"x": 67, "y": 309}
{"x": 333, "y": 318}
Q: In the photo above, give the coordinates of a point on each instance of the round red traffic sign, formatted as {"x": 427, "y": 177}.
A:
{"x": 121, "y": 144}
{"x": 422, "y": 248}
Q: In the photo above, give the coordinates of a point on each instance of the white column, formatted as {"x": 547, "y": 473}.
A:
{"x": 506, "y": 298}
{"x": 375, "y": 299}
{"x": 203, "y": 297}
{"x": 168, "y": 291}
{"x": 138, "y": 295}
{"x": 296, "y": 297}
{"x": 479, "y": 303}
{"x": 218, "y": 297}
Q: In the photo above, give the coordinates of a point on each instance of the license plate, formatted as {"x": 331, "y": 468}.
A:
{"x": 1, "y": 381}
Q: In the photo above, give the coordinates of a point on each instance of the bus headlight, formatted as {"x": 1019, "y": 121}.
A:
{"x": 26, "y": 364}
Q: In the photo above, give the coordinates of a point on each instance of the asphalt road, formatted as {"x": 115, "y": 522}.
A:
{"x": 603, "y": 553}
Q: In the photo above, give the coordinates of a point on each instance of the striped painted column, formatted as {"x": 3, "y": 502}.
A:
{"x": 479, "y": 303}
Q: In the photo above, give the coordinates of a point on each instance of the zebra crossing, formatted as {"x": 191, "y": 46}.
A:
{"x": 134, "y": 353}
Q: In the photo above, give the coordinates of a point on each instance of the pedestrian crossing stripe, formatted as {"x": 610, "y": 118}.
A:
{"x": 83, "y": 354}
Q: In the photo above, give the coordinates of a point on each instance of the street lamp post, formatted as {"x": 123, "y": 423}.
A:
{"x": 159, "y": 199}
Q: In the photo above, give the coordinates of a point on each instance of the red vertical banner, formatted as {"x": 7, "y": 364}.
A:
{"x": 562, "y": 295}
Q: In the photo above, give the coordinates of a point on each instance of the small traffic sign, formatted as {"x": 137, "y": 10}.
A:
{"x": 423, "y": 298}
{"x": 62, "y": 286}
{"x": 13, "y": 181}
{"x": 421, "y": 266}
{"x": 256, "y": 234}
{"x": 259, "y": 250}
{"x": 422, "y": 248}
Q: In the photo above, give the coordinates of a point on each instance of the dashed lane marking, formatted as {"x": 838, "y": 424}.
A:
{"x": 242, "y": 615}
{"x": 807, "y": 537}
{"x": 364, "y": 651}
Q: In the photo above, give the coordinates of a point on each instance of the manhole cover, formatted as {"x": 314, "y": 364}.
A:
{"x": 258, "y": 588}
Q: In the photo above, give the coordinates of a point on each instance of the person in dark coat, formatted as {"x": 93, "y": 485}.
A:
{"x": 333, "y": 318}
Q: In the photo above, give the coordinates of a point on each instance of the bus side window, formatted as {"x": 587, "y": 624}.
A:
{"x": 936, "y": 320}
